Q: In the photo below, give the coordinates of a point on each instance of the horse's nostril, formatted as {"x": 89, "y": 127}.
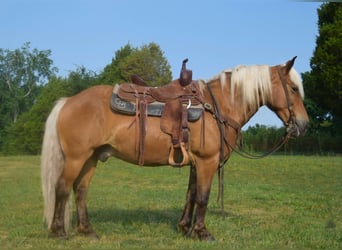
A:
{"x": 302, "y": 126}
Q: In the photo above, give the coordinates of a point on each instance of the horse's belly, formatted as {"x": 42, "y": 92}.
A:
{"x": 129, "y": 145}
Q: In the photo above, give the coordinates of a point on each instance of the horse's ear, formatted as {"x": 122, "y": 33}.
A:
{"x": 289, "y": 65}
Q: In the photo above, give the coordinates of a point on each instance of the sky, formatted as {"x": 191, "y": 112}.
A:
{"x": 214, "y": 35}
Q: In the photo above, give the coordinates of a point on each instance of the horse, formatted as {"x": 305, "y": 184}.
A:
{"x": 82, "y": 129}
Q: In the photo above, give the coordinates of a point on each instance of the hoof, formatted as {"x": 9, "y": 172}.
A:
{"x": 58, "y": 235}
{"x": 203, "y": 235}
{"x": 207, "y": 238}
{"x": 89, "y": 233}
{"x": 92, "y": 236}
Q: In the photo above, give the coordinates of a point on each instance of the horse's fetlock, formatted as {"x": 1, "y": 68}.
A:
{"x": 184, "y": 227}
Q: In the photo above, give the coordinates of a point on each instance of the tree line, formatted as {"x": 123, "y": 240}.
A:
{"x": 261, "y": 139}
{"x": 30, "y": 85}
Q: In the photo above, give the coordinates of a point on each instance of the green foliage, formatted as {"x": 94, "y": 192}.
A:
{"x": 112, "y": 72}
{"x": 325, "y": 83}
{"x": 321, "y": 119}
{"x": 279, "y": 202}
{"x": 79, "y": 80}
{"x": 25, "y": 136}
{"x": 22, "y": 72}
{"x": 260, "y": 138}
{"x": 318, "y": 140}
{"x": 148, "y": 62}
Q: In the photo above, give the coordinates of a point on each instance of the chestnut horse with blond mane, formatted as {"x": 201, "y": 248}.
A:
{"x": 83, "y": 127}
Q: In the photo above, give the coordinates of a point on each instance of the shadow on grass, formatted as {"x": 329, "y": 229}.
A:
{"x": 129, "y": 216}
{"x": 169, "y": 216}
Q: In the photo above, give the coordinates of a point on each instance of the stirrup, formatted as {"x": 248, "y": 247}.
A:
{"x": 185, "y": 155}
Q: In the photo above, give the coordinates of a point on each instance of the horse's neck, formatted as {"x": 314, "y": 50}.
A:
{"x": 221, "y": 94}
{"x": 238, "y": 112}
{"x": 232, "y": 108}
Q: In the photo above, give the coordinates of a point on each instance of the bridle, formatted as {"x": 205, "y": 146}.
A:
{"x": 291, "y": 124}
{"x": 226, "y": 122}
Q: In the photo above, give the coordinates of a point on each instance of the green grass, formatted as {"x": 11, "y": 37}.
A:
{"x": 276, "y": 202}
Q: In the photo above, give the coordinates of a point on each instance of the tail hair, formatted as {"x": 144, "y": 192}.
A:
{"x": 52, "y": 163}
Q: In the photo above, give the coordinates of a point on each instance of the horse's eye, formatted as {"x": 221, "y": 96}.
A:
{"x": 295, "y": 89}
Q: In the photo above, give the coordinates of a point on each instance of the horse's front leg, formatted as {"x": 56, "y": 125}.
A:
{"x": 204, "y": 173}
{"x": 184, "y": 224}
{"x": 81, "y": 186}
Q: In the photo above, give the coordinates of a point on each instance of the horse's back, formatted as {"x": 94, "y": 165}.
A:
{"x": 96, "y": 92}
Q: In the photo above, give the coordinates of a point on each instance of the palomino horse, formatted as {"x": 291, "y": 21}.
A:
{"x": 83, "y": 129}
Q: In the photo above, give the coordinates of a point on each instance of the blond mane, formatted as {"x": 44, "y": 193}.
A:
{"x": 253, "y": 83}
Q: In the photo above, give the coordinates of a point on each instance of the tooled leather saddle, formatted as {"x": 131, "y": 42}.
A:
{"x": 176, "y": 103}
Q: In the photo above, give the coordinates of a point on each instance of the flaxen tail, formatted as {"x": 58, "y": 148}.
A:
{"x": 52, "y": 163}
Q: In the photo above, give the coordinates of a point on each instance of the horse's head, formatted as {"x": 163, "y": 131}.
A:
{"x": 287, "y": 98}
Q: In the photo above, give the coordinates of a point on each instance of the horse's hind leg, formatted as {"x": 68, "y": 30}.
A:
{"x": 62, "y": 191}
{"x": 57, "y": 228}
{"x": 81, "y": 186}
{"x": 185, "y": 222}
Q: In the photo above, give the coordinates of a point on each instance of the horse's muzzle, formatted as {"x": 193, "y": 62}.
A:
{"x": 297, "y": 128}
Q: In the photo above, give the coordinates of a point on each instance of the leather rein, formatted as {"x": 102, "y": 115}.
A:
{"x": 228, "y": 122}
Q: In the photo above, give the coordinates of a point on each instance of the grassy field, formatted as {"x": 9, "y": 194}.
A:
{"x": 276, "y": 202}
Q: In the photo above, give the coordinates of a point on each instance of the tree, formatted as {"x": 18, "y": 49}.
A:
{"x": 80, "y": 79}
{"x": 22, "y": 73}
{"x": 261, "y": 138}
{"x": 324, "y": 85}
{"x": 148, "y": 62}
{"x": 25, "y": 136}
{"x": 112, "y": 72}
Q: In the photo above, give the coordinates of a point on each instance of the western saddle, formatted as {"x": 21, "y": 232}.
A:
{"x": 176, "y": 103}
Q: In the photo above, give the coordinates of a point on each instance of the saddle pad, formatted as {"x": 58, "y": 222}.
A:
{"x": 153, "y": 109}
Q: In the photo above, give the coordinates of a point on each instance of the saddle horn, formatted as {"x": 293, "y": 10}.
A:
{"x": 185, "y": 77}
